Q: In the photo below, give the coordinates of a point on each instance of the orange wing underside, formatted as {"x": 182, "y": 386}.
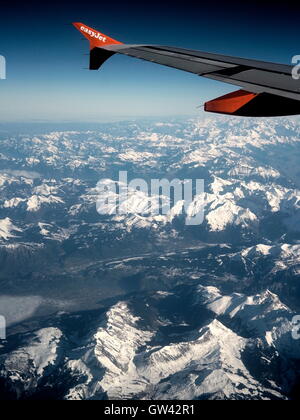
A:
{"x": 230, "y": 103}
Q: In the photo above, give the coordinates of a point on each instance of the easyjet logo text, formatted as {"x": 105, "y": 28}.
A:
{"x": 93, "y": 34}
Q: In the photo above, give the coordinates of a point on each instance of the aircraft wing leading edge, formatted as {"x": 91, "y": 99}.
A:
{"x": 267, "y": 89}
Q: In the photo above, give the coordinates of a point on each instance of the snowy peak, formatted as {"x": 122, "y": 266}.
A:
{"x": 32, "y": 360}
{"x": 121, "y": 327}
{"x": 263, "y": 313}
{"x": 7, "y": 229}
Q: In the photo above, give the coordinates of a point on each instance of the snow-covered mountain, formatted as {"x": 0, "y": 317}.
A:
{"x": 242, "y": 162}
{"x": 141, "y": 349}
{"x": 136, "y": 305}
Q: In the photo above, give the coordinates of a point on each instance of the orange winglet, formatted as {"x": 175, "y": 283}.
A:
{"x": 230, "y": 103}
{"x": 96, "y": 38}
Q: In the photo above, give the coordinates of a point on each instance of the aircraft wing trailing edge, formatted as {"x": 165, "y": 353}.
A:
{"x": 267, "y": 89}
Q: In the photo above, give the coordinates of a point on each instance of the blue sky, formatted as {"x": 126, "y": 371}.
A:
{"x": 46, "y": 79}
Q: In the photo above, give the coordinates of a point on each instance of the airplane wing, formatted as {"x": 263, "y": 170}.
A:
{"x": 268, "y": 89}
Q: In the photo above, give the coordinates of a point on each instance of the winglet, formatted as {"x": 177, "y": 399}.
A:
{"x": 96, "y": 38}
